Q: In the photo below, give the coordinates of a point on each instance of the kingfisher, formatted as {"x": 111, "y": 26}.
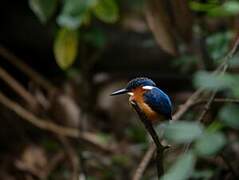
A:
{"x": 152, "y": 101}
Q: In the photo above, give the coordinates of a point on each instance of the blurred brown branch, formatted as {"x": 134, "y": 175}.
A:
{"x": 52, "y": 127}
{"x": 18, "y": 88}
{"x": 18, "y": 63}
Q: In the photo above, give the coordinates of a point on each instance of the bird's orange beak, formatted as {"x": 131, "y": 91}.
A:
{"x": 121, "y": 91}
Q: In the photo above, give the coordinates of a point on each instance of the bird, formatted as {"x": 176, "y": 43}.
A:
{"x": 151, "y": 100}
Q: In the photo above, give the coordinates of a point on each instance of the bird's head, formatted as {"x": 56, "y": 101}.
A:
{"x": 141, "y": 82}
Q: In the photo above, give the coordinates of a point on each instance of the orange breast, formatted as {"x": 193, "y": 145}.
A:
{"x": 138, "y": 97}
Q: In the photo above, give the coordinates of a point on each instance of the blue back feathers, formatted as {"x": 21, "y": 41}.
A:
{"x": 159, "y": 102}
{"x": 155, "y": 98}
{"x": 137, "y": 82}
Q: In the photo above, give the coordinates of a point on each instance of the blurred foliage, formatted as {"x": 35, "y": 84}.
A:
{"x": 214, "y": 81}
{"x": 207, "y": 141}
{"x": 214, "y": 8}
{"x": 66, "y": 47}
{"x": 178, "y": 132}
{"x": 182, "y": 168}
{"x": 74, "y": 15}
{"x": 229, "y": 115}
{"x": 205, "y": 147}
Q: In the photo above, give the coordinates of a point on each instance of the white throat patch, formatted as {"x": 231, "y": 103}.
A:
{"x": 130, "y": 93}
{"x": 148, "y": 87}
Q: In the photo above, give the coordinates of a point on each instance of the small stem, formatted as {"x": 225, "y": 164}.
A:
{"x": 160, "y": 148}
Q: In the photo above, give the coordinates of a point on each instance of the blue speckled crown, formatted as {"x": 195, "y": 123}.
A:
{"x": 137, "y": 82}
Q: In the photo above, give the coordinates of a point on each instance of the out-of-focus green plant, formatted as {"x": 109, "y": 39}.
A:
{"x": 204, "y": 143}
{"x": 178, "y": 132}
{"x": 65, "y": 47}
{"x": 217, "y": 44}
{"x": 214, "y": 8}
{"x": 182, "y": 168}
{"x": 74, "y": 15}
{"x": 211, "y": 81}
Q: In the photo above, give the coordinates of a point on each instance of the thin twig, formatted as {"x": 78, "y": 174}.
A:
{"x": 18, "y": 63}
{"x": 211, "y": 98}
{"x": 159, "y": 147}
{"x": 52, "y": 127}
{"x": 18, "y": 88}
{"x": 184, "y": 108}
{"x": 207, "y": 106}
{"x": 216, "y": 100}
{"x": 202, "y": 115}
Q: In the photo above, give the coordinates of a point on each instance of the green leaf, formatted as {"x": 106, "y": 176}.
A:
{"x": 107, "y": 11}
{"x": 229, "y": 115}
{"x": 75, "y": 13}
{"x": 43, "y": 9}
{"x": 66, "y": 47}
{"x": 211, "y": 81}
{"x": 210, "y": 144}
{"x": 182, "y": 169}
{"x": 183, "y": 132}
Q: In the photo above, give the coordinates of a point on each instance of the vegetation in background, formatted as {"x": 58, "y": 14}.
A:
{"x": 199, "y": 40}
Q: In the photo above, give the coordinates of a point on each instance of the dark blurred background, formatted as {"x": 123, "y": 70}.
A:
{"x": 61, "y": 59}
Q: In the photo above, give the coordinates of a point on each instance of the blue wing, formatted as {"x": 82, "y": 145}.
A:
{"x": 159, "y": 102}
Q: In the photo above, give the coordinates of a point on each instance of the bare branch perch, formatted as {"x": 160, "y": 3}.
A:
{"x": 159, "y": 147}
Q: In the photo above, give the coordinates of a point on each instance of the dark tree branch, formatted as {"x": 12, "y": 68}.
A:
{"x": 159, "y": 147}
